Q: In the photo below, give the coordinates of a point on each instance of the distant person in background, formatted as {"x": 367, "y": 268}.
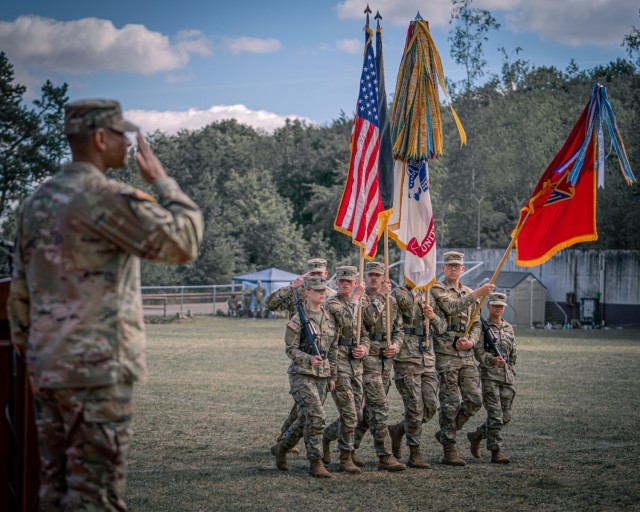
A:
{"x": 247, "y": 295}
{"x": 498, "y": 382}
{"x": 75, "y": 306}
{"x": 258, "y": 300}
{"x": 231, "y": 305}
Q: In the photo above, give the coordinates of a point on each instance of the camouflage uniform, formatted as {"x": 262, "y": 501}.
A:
{"x": 308, "y": 385}
{"x": 498, "y": 389}
{"x": 414, "y": 366}
{"x": 246, "y": 300}
{"x": 460, "y": 394}
{"x": 377, "y": 370}
{"x": 258, "y": 295}
{"x": 283, "y": 299}
{"x": 348, "y": 394}
{"x": 75, "y": 310}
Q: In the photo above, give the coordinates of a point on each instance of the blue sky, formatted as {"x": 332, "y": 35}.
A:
{"x": 183, "y": 64}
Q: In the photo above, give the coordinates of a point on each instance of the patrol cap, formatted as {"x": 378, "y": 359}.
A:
{"x": 317, "y": 265}
{"x": 453, "y": 257}
{"x": 315, "y": 283}
{"x": 86, "y": 115}
{"x": 374, "y": 267}
{"x": 346, "y": 272}
{"x": 497, "y": 299}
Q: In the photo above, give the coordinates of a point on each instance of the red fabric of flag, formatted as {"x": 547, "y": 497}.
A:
{"x": 361, "y": 206}
{"x": 559, "y": 213}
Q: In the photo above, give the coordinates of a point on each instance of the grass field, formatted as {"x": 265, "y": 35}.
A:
{"x": 218, "y": 393}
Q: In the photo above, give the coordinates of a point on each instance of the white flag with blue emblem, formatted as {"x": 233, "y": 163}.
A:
{"x": 411, "y": 224}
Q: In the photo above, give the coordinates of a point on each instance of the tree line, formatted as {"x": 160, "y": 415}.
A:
{"x": 269, "y": 199}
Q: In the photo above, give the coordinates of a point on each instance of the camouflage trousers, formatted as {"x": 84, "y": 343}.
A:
{"x": 286, "y": 425}
{"x": 418, "y": 387}
{"x": 348, "y": 398}
{"x": 83, "y": 437}
{"x": 460, "y": 398}
{"x": 497, "y": 398}
{"x": 376, "y": 411}
{"x": 309, "y": 393}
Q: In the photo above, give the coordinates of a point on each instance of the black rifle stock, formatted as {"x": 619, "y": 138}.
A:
{"x": 490, "y": 339}
{"x": 309, "y": 333}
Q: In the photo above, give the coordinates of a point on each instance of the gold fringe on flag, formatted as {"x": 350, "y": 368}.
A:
{"x": 416, "y": 121}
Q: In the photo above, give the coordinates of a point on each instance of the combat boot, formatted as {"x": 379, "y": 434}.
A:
{"x": 357, "y": 460}
{"x": 475, "y": 439}
{"x": 280, "y": 452}
{"x": 326, "y": 449}
{"x": 498, "y": 457}
{"x": 415, "y": 458}
{"x": 294, "y": 450}
{"x": 396, "y": 432}
{"x": 317, "y": 469}
{"x": 451, "y": 456}
{"x": 388, "y": 463}
{"x": 346, "y": 463}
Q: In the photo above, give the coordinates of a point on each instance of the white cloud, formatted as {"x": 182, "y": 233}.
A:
{"x": 571, "y": 22}
{"x": 576, "y": 22}
{"x": 398, "y": 12}
{"x": 91, "y": 44}
{"x": 172, "y": 122}
{"x": 352, "y": 45}
{"x": 252, "y": 45}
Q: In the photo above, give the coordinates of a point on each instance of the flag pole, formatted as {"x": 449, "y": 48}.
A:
{"x": 386, "y": 277}
{"x": 359, "y": 313}
{"x": 476, "y": 312}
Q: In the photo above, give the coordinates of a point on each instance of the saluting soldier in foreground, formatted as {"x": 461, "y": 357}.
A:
{"x": 415, "y": 373}
{"x": 377, "y": 365}
{"x": 75, "y": 306}
{"x": 310, "y": 377}
{"x": 460, "y": 394}
{"x": 348, "y": 394}
{"x": 498, "y": 381}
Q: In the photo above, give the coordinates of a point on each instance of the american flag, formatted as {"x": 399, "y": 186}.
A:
{"x": 361, "y": 205}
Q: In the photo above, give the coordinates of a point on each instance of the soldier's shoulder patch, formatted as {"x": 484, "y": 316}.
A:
{"x": 440, "y": 285}
{"x": 294, "y": 324}
{"x": 139, "y": 195}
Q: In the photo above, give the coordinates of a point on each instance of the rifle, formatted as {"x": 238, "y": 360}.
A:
{"x": 491, "y": 340}
{"x": 309, "y": 333}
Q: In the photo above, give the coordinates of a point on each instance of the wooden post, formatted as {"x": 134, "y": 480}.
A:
{"x": 386, "y": 277}
{"x": 359, "y": 313}
{"x": 476, "y": 312}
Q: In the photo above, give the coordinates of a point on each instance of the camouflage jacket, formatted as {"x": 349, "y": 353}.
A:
{"x": 374, "y": 316}
{"x": 344, "y": 314}
{"x": 457, "y": 305}
{"x": 417, "y": 347}
{"x": 327, "y": 342}
{"x": 282, "y": 299}
{"x": 507, "y": 344}
{"x": 258, "y": 293}
{"x": 75, "y": 306}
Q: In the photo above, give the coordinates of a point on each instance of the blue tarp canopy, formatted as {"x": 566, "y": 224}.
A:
{"x": 271, "y": 278}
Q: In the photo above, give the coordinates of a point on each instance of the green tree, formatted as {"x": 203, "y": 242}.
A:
{"x": 631, "y": 42}
{"x": 468, "y": 37}
{"x": 32, "y": 141}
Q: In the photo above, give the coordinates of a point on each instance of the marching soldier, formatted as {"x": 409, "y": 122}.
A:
{"x": 310, "y": 377}
{"x": 415, "y": 373}
{"x": 498, "y": 381}
{"x": 348, "y": 393}
{"x": 377, "y": 365}
{"x": 283, "y": 299}
{"x": 460, "y": 394}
